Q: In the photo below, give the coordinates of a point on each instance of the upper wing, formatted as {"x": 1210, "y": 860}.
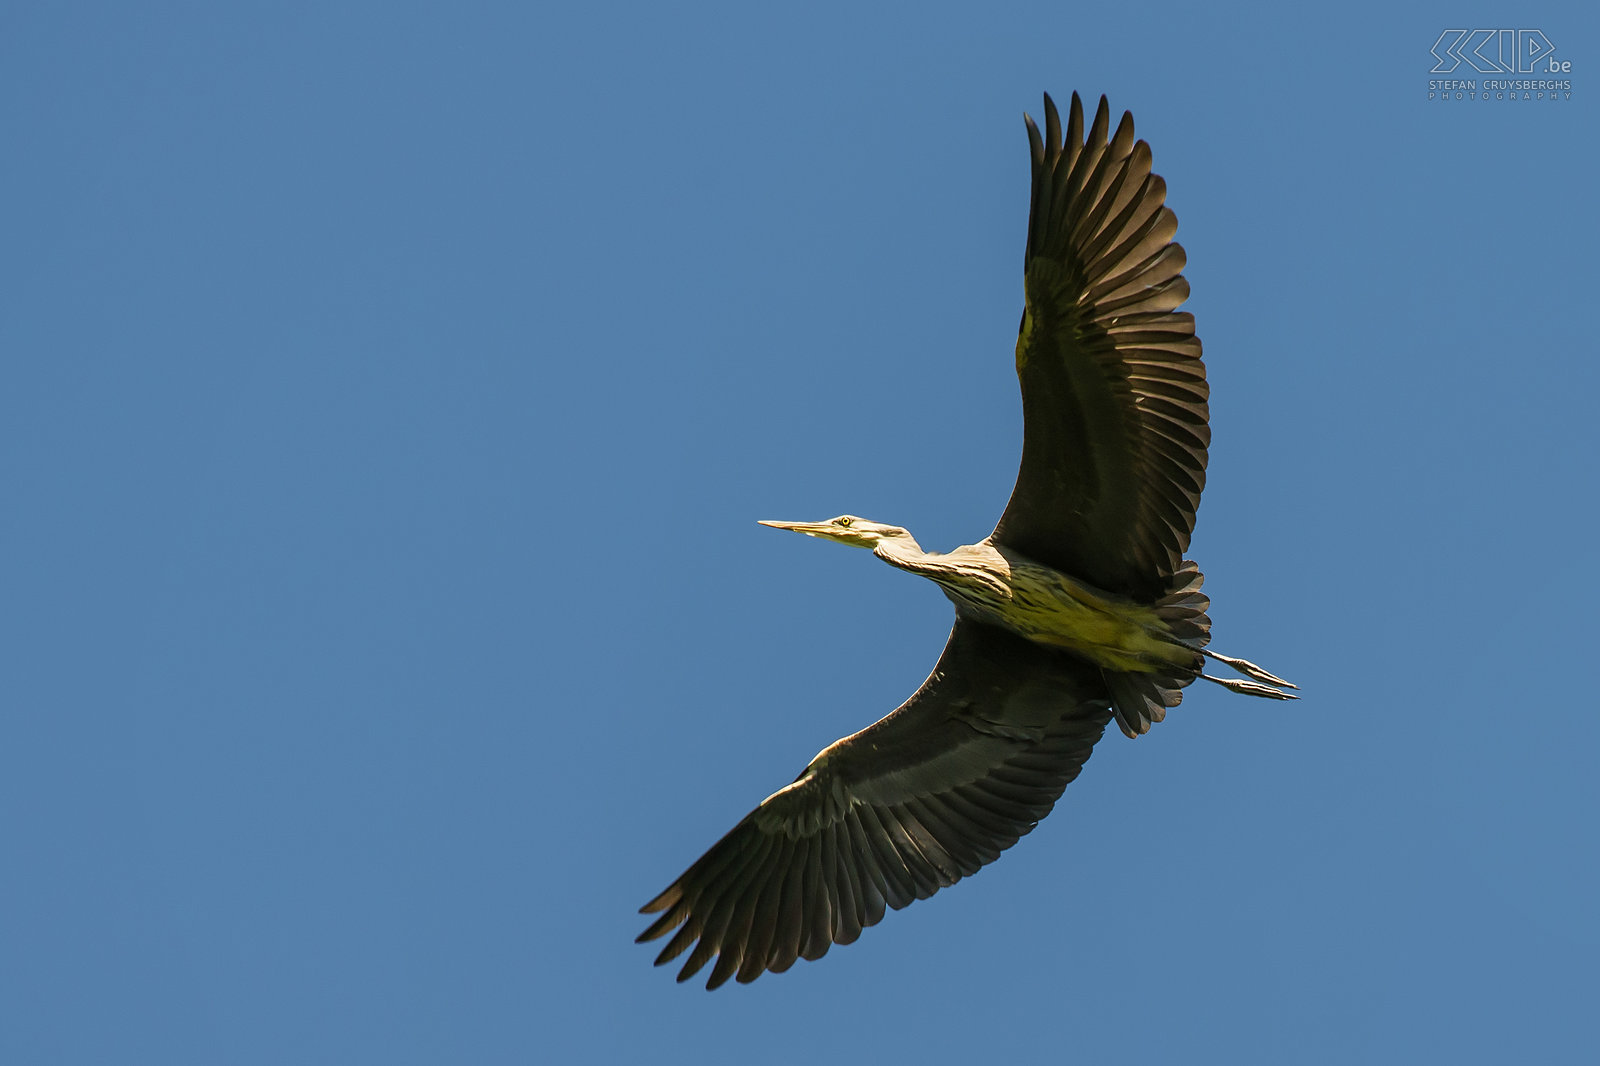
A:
{"x": 893, "y": 813}
{"x": 1113, "y": 390}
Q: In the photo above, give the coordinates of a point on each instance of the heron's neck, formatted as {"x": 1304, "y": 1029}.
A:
{"x": 905, "y": 553}
{"x": 969, "y": 565}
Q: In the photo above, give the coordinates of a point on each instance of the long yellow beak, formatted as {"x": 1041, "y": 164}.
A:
{"x": 810, "y": 529}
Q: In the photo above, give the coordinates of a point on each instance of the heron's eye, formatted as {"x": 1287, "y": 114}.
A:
{"x": 843, "y": 521}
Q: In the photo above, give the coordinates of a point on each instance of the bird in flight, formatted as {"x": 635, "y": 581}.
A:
{"x": 1078, "y": 608}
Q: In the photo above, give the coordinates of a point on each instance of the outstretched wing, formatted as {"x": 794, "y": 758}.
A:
{"x": 1113, "y": 390}
{"x": 893, "y": 813}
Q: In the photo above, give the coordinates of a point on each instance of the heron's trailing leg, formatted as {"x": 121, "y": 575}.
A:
{"x": 1272, "y": 689}
{"x": 1248, "y": 669}
{"x": 1250, "y": 688}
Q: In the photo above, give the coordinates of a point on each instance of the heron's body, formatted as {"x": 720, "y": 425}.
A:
{"x": 1078, "y": 609}
{"x": 991, "y": 585}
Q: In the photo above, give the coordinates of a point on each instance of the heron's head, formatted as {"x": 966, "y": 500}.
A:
{"x": 848, "y": 529}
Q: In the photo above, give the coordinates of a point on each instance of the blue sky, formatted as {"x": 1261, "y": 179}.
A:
{"x": 391, "y": 395}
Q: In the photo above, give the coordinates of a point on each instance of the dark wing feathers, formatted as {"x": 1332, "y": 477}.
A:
{"x": 1114, "y": 393}
{"x": 918, "y": 801}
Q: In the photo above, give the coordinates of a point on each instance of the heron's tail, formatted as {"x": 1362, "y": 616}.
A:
{"x": 1141, "y": 699}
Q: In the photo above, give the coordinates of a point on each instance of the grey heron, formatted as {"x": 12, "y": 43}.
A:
{"x": 1078, "y": 609}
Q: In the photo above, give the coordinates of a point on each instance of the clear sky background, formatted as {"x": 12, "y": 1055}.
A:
{"x": 390, "y": 395}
